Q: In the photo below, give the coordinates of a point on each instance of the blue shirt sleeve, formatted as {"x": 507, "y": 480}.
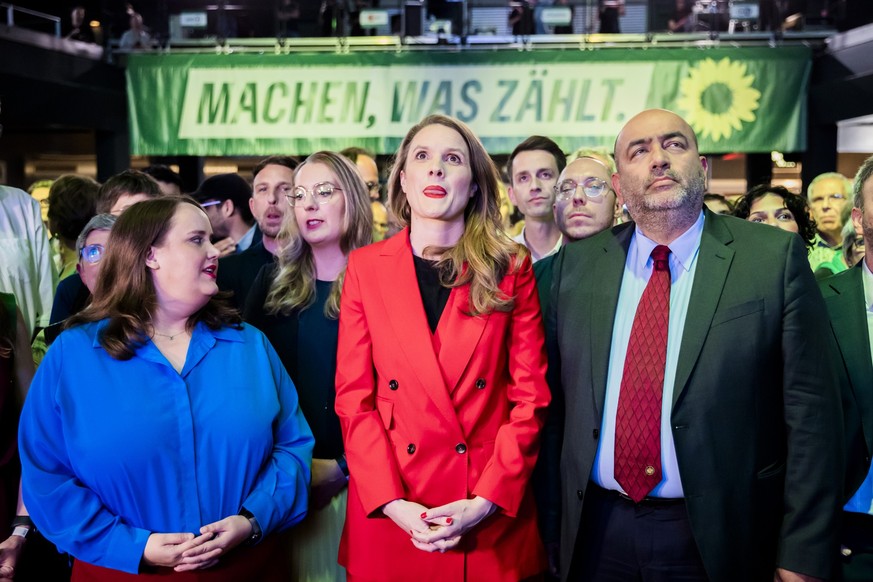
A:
{"x": 281, "y": 492}
{"x": 68, "y": 513}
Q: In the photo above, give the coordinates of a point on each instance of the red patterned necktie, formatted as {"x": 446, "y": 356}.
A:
{"x": 638, "y": 420}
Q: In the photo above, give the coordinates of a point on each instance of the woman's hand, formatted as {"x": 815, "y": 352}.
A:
{"x": 222, "y": 536}
{"x": 327, "y": 481}
{"x": 450, "y": 522}
{"x": 407, "y": 515}
{"x": 166, "y": 549}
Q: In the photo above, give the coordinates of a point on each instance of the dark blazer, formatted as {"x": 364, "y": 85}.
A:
{"x": 844, "y": 297}
{"x": 756, "y": 413}
{"x": 236, "y": 273}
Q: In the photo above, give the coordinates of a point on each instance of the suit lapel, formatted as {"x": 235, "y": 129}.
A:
{"x": 713, "y": 263}
{"x": 459, "y": 335}
{"x": 402, "y": 300}
{"x": 605, "y": 280}
{"x": 848, "y": 318}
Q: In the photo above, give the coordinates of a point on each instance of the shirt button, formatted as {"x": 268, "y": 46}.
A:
{"x": 393, "y": 385}
{"x": 410, "y": 449}
{"x": 480, "y": 383}
{"x": 461, "y": 448}
{"x": 579, "y": 494}
{"x": 650, "y": 470}
{"x": 595, "y": 433}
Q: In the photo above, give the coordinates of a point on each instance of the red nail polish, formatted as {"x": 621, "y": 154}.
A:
{"x": 423, "y": 515}
{"x": 449, "y": 520}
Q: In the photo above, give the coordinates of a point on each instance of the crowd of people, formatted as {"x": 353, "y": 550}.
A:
{"x": 296, "y": 378}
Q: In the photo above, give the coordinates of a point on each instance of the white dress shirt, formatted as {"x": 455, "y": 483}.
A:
{"x": 637, "y": 270}
{"x": 533, "y": 256}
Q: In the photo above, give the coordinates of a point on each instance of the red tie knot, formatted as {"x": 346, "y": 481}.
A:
{"x": 660, "y": 254}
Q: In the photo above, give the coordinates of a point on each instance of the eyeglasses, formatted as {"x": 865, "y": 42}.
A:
{"x": 593, "y": 187}
{"x": 210, "y": 203}
{"x": 92, "y": 253}
{"x": 322, "y": 193}
{"x": 374, "y": 186}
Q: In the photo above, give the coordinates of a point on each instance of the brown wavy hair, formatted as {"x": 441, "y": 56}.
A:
{"x": 484, "y": 254}
{"x": 293, "y": 288}
{"x": 125, "y": 293}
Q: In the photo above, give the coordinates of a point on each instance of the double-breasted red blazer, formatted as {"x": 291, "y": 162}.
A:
{"x": 434, "y": 418}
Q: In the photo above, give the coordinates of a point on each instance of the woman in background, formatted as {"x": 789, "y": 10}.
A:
{"x": 296, "y": 305}
{"x": 776, "y": 206}
{"x": 441, "y": 387}
{"x": 72, "y": 202}
{"x": 161, "y": 438}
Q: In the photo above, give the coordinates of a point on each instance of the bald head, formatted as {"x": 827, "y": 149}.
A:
{"x": 650, "y": 117}
{"x": 661, "y": 176}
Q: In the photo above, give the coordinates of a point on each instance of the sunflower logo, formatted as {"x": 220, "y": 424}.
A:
{"x": 718, "y": 97}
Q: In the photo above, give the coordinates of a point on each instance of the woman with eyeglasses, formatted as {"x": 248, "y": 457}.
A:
{"x": 74, "y": 293}
{"x": 162, "y": 438}
{"x": 296, "y": 304}
{"x": 441, "y": 387}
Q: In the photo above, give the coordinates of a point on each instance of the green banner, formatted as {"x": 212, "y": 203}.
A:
{"x": 737, "y": 99}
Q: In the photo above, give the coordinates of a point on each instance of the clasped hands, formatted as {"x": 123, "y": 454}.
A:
{"x": 440, "y": 528}
{"x": 185, "y": 551}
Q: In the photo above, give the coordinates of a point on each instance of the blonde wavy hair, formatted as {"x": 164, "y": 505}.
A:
{"x": 484, "y": 254}
{"x": 293, "y": 288}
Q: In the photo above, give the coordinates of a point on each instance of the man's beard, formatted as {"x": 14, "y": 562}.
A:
{"x": 687, "y": 198}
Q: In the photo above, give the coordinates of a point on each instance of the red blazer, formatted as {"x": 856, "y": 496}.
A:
{"x": 434, "y": 418}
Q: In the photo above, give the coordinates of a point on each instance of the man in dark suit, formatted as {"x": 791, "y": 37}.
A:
{"x": 273, "y": 177}
{"x": 713, "y": 450}
{"x": 849, "y": 300}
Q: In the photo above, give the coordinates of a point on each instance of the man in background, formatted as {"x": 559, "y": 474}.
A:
{"x": 273, "y": 179}
{"x": 225, "y": 197}
{"x": 25, "y": 257}
{"x": 367, "y": 167}
{"x": 828, "y": 195}
{"x": 533, "y": 168}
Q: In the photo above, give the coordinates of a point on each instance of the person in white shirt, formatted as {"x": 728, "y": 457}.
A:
{"x": 25, "y": 258}
{"x": 533, "y": 168}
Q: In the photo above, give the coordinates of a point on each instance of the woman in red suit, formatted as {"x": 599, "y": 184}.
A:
{"x": 441, "y": 387}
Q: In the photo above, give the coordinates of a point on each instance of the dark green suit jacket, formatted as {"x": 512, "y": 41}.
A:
{"x": 756, "y": 412}
{"x": 844, "y": 297}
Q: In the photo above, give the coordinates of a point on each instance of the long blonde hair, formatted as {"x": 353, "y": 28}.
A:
{"x": 484, "y": 254}
{"x": 293, "y": 288}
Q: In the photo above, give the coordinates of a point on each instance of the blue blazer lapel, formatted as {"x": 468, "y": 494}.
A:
{"x": 713, "y": 264}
